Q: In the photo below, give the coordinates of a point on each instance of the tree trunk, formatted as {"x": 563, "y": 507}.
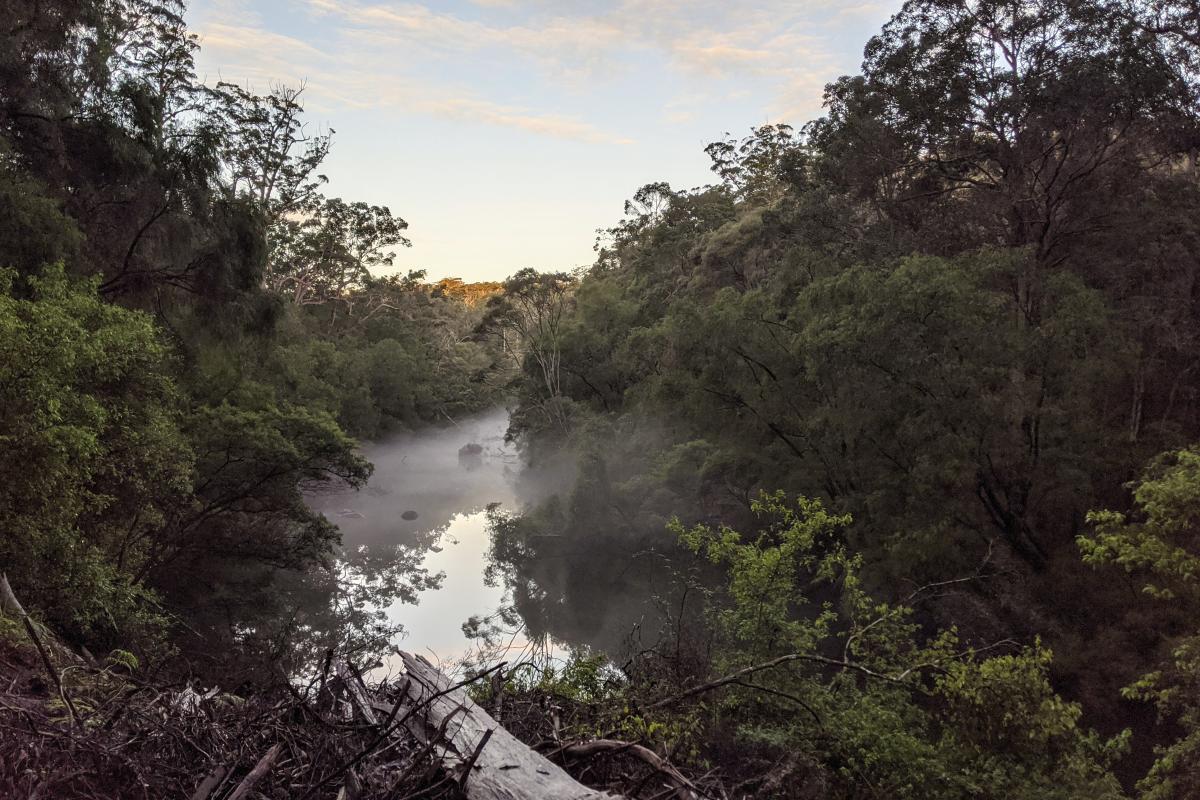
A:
{"x": 503, "y": 768}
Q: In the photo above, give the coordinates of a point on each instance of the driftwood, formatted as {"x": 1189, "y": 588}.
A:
{"x": 489, "y": 762}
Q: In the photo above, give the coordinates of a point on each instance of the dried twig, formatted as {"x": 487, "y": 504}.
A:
{"x": 775, "y": 662}
{"x": 684, "y": 788}
{"x": 258, "y": 773}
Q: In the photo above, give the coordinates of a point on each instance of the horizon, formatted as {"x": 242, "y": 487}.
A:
{"x": 529, "y": 123}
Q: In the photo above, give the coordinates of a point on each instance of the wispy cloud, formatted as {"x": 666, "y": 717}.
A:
{"x": 467, "y": 108}
{"x": 348, "y": 75}
{"x": 366, "y": 44}
{"x": 515, "y": 116}
{"x": 695, "y": 35}
{"x": 257, "y": 55}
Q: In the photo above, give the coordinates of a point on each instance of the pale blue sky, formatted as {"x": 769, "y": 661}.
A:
{"x": 507, "y": 131}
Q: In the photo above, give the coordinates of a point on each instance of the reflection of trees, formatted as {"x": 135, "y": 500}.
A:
{"x": 370, "y": 580}
{"x": 503, "y": 636}
{"x": 267, "y": 614}
{"x": 344, "y": 605}
{"x": 593, "y": 570}
{"x": 347, "y": 604}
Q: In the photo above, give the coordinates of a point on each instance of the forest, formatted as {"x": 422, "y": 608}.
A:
{"x": 876, "y": 459}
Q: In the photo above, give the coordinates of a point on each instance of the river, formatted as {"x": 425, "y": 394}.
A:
{"x": 427, "y": 504}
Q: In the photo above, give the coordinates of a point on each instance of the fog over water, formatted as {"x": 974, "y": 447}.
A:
{"x": 424, "y": 473}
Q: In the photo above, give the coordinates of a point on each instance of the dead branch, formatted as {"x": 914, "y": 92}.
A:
{"x": 258, "y": 773}
{"x": 684, "y": 788}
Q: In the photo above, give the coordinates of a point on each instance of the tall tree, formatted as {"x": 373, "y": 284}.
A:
{"x": 528, "y": 317}
{"x": 271, "y": 155}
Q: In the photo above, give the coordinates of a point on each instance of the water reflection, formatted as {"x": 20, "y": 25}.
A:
{"x": 423, "y": 515}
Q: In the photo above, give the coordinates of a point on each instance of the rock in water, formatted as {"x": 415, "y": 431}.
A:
{"x": 409, "y": 515}
{"x": 470, "y": 456}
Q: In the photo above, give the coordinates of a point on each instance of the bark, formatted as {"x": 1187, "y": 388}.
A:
{"x": 504, "y": 768}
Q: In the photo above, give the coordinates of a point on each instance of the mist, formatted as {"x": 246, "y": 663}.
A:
{"x": 425, "y": 502}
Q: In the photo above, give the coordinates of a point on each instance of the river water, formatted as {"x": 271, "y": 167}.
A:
{"x": 426, "y": 504}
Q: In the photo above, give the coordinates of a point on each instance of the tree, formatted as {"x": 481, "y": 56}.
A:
{"x": 269, "y": 153}
{"x": 847, "y": 698}
{"x": 95, "y": 463}
{"x": 761, "y": 166}
{"x": 156, "y": 72}
{"x": 1158, "y": 545}
{"x": 1176, "y": 21}
{"x": 528, "y": 318}
{"x": 1007, "y": 123}
{"x": 325, "y": 256}
{"x": 105, "y": 124}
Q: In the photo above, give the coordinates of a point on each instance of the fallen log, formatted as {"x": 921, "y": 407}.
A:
{"x": 488, "y": 761}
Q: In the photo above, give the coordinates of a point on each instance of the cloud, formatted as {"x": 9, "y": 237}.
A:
{"x": 694, "y": 36}
{"x": 272, "y": 52}
{"x": 780, "y": 46}
{"x": 261, "y": 57}
{"x": 718, "y": 59}
{"x": 570, "y": 47}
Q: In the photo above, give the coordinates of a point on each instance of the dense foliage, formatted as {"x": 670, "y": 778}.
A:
{"x": 191, "y": 333}
{"x": 953, "y": 318}
{"x": 876, "y": 709}
{"x": 960, "y": 309}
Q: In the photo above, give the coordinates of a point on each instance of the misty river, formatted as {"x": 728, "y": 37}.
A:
{"x": 427, "y": 503}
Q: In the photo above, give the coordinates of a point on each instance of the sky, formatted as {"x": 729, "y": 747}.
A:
{"x": 506, "y": 132}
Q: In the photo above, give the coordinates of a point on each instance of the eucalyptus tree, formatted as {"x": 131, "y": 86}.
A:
{"x": 528, "y": 318}
{"x": 325, "y": 256}
{"x": 271, "y": 155}
{"x": 1006, "y": 123}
